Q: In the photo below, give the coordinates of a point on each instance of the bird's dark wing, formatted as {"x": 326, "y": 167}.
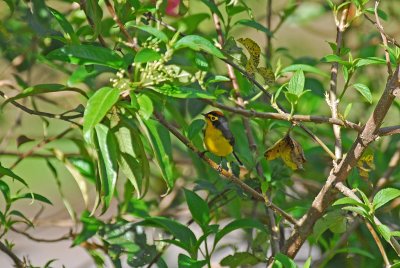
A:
{"x": 222, "y": 124}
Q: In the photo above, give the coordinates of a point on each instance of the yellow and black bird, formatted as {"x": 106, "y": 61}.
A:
{"x": 218, "y": 138}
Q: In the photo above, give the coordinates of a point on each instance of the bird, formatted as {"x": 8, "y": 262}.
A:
{"x": 218, "y": 138}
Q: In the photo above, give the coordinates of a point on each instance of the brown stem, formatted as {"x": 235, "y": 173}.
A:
{"x": 268, "y": 50}
{"x": 121, "y": 26}
{"x": 383, "y": 36}
{"x": 67, "y": 118}
{"x": 382, "y": 32}
{"x": 378, "y": 243}
{"x": 43, "y": 240}
{"x": 339, "y": 174}
{"x": 82, "y": 4}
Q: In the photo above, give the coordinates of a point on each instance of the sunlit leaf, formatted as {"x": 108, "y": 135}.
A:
{"x": 198, "y": 43}
{"x": 289, "y": 150}
{"x": 364, "y": 90}
{"x": 146, "y": 55}
{"x": 384, "y": 196}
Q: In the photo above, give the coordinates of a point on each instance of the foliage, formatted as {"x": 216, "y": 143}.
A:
{"x": 118, "y": 103}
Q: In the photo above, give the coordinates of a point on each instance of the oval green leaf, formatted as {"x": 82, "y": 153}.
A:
{"x": 198, "y": 43}
{"x": 97, "y": 107}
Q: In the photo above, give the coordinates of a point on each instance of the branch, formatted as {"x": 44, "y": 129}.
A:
{"x": 378, "y": 243}
{"x": 131, "y": 41}
{"x": 339, "y": 174}
{"x": 384, "y": 39}
{"x": 82, "y": 4}
{"x": 38, "y": 146}
{"x": 382, "y": 32}
{"x": 44, "y": 240}
{"x": 67, "y": 118}
{"x": 225, "y": 173}
{"x": 333, "y": 101}
{"x": 18, "y": 263}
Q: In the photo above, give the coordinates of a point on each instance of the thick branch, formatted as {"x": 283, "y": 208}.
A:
{"x": 339, "y": 174}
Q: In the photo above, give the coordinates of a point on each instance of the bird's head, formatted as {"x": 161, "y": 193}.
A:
{"x": 214, "y": 116}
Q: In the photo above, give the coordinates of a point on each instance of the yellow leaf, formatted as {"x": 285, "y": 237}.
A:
{"x": 254, "y": 51}
{"x": 289, "y": 150}
{"x": 267, "y": 74}
{"x": 366, "y": 164}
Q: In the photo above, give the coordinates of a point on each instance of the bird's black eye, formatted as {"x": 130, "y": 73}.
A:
{"x": 213, "y": 118}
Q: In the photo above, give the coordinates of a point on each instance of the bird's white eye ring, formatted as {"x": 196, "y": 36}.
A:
{"x": 213, "y": 118}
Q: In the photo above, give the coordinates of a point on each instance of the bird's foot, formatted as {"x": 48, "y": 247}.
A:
{"x": 219, "y": 168}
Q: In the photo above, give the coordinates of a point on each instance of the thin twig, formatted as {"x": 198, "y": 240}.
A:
{"x": 333, "y": 101}
{"x": 38, "y": 146}
{"x": 378, "y": 243}
{"x": 382, "y": 32}
{"x": 268, "y": 50}
{"x": 67, "y": 118}
{"x": 131, "y": 41}
{"x": 83, "y": 6}
{"x": 44, "y": 240}
{"x": 18, "y": 263}
{"x": 384, "y": 39}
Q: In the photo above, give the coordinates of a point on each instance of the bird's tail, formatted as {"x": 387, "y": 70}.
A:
{"x": 237, "y": 158}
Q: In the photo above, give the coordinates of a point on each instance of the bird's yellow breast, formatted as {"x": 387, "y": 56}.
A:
{"x": 215, "y": 141}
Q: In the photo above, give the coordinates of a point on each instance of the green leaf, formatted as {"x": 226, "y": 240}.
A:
{"x": 183, "y": 92}
{"x": 384, "y": 196}
{"x": 296, "y": 83}
{"x": 97, "y": 107}
{"x": 239, "y": 259}
{"x": 307, "y": 264}
{"x": 283, "y": 260}
{"x": 335, "y": 58}
{"x": 178, "y": 230}
{"x": 145, "y": 105}
{"x": 198, "y": 43}
{"x": 369, "y": 60}
{"x": 384, "y": 231}
{"x": 195, "y": 128}
{"x": 255, "y": 25}
{"x": 90, "y": 227}
{"x": 238, "y": 224}
{"x": 380, "y": 12}
{"x": 32, "y": 196}
{"x": 95, "y": 12}
{"x": 350, "y": 201}
{"x": 40, "y": 89}
{"x": 65, "y": 25}
{"x": 108, "y": 165}
{"x": 364, "y": 90}
{"x": 187, "y": 262}
{"x": 347, "y": 110}
{"x": 216, "y": 79}
{"x": 10, "y": 4}
{"x": 5, "y": 190}
{"x": 132, "y": 159}
{"x": 358, "y": 251}
{"x": 153, "y": 31}
{"x": 292, "y": 98}
{"x": 359, "y": 210}
{"x": 87, "y": 54}
{"x": 332, "y": 220}
{"x": 198, "y": 208}
{"x": 304, "y": 68}
{"x": 146, "y": 55}
{"x": 160, "y": 141}
{"x": 7, "y": 172}
{"x": 214, "y": 8}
